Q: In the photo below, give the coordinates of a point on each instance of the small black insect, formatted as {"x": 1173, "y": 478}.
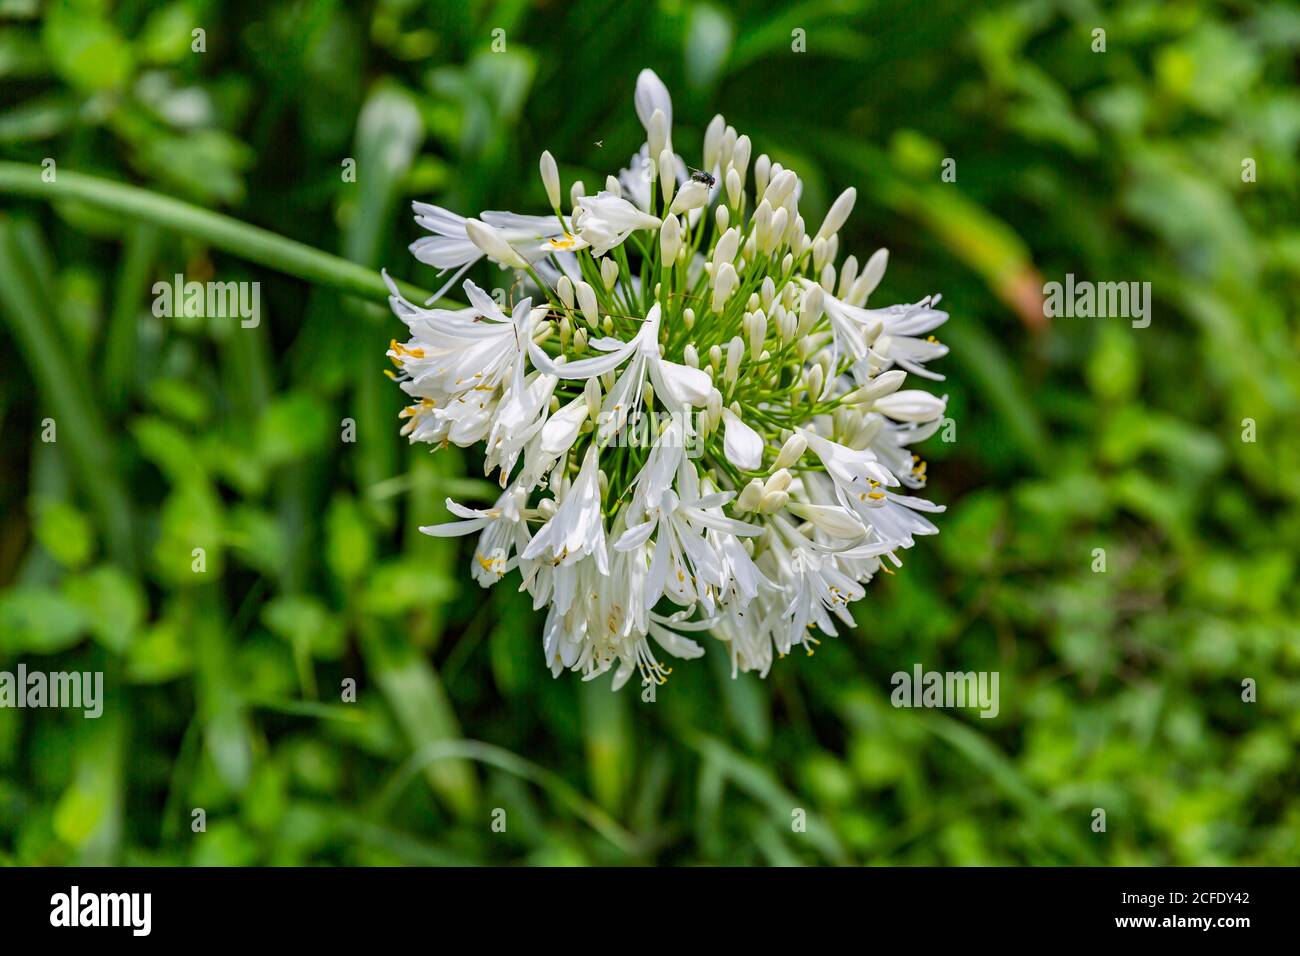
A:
{"x": 700, "y": 176}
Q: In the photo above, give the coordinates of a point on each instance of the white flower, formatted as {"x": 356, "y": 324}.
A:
{"x": 835, "y": 520}
{"x": 893, "y": 332}
{"x": 504, "y": 532}
{"x": 901, "y": 341}
{"x": 628, "y": 415}
{"x": 677, "y": 386}
{"x": 912, "y": 405}
{"x": 450, "y": 246}
{"x": 520, "y": 414}
{"x": 856, "y": 473}
{"x": 684, "y": 565}
{"x": 575, "y": 532}
{"x": 455, "y": 363}
{"x": 854, "y": 330}
{"x": 604, "y": 221}
{"x": 552, "y": 441}
{"x": 634, "y": 179}
{"x": 819, "y": 587}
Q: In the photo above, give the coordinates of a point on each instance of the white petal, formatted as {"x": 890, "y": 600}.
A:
{"x": 454, "y": 529}
{"x": 680, "y": 385}
{"x": 911, "y": 405}
{"x": 635, "y": 536}
{"x": 674, "y": 643}
{"x": 742, "y": 445}
{"x": 834, "y": 520}
{"x": 561, "y": 429}
{"x": 583, "y": 368}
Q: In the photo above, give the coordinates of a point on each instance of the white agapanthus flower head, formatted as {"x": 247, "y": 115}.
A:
{"x": 698, "y": 424}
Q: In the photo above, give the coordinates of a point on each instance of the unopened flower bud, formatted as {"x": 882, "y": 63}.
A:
{"x": 587, "y": 303}
{"x": 762, "y": 169}
{"x": 791, "y": 451}
{"x": 734, "y": 187}
{"x": 493, "y": 244}
{"x": 713, "y": 141}
{"x": 657, "y": 133}
{"x": 693, "y": 195}
{"x": 750, "y": 497}
{"x": 838, "y": 214}
{"x": 667, "y": 175}
{"x": 883, "y": 384}
{"x": 670, "y": 239}
{"x": 564, "y": 289}
{"x": 778, "y": 481}
{"x": 550, "y": 179}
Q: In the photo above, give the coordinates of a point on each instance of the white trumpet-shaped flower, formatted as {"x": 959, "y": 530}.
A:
{"x": 575, "y": 532}
{"x": 604, "y": 221}
{"x": 684, "y": 566}
{"x": 502, "y": 538}
{"x": 678, "y": 386}
{"x": 526, "y": 238}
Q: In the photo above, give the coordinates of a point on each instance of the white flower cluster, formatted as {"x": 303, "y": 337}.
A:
{"x": 699, "y": 426}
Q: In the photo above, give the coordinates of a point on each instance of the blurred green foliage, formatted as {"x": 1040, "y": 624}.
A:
{"x": 1120, "y": 690}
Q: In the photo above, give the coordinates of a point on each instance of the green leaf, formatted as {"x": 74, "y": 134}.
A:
{"x": 396, "y": 587}
{"x": 349, "y": 540}
{"x": 39, "y": 620}
{"x": 161, "y": 653}
{"x": 86, "y": 50}
{"x": 302, "y": 620}
{"x": 113, "y": 602}
{"x": 64, "y": 532}
{"x": 292, "y": 426}
{"x": 418, "y": 700}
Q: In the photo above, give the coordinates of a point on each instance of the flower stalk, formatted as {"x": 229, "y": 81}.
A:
{"x": 251, "y": 243}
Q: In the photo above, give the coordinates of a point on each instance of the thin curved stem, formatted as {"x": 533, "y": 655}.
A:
{"x": 511, "y": 763}
{"x": 252, "y": 243}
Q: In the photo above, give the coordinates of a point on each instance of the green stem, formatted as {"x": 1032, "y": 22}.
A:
{"x": 251, "y": 243}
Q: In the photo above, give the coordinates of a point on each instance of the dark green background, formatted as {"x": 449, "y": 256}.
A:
{"x": 1119, "y": 690}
